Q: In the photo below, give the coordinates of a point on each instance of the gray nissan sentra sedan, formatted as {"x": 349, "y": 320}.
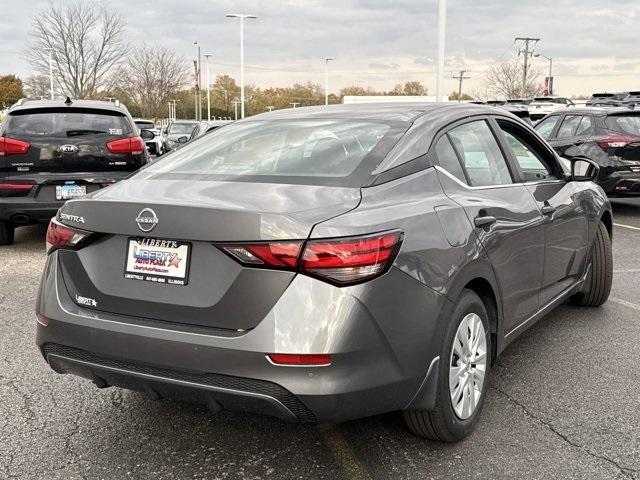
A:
{"x": 326, "y": 264}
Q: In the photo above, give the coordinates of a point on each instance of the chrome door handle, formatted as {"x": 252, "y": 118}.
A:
{"x": 484, "y": 221}
{"x": 548, "y": 209}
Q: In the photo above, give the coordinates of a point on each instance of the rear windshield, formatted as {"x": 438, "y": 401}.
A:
{"x": 57, "y": 123}
{"x": 145, "y": 125}
{"x": 624, "y": 124}
{"x": 185, "y": 128}
{"x": 295, "y": 151}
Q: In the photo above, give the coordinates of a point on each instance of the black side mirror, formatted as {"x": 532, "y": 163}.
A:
{"x": 147, "y": 134}
{"x": 183, "y": 139}
{"x": 584, "y": 170}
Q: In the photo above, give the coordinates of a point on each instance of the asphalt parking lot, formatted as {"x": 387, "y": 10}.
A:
{"x": 563, "y": 403}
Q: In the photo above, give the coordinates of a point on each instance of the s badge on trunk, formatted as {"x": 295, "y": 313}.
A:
{"x": 147, "y": 220}
{"x": 68, "y": 149}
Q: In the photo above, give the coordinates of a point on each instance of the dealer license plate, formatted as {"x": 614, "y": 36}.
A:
{"x": 157, "y": 260}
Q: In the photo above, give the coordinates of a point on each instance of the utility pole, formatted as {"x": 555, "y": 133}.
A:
{"x": 460, "y": 77}
{"x": 196, "y": 90}
{"x": 529, "y": 44}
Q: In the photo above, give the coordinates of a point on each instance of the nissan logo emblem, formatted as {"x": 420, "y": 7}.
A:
{"x": 147, "y": 220}
{"x": 68, "y": 149}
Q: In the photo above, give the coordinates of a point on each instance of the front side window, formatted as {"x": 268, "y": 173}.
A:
{"x": 546, "y": 126}
{"x": 480, "y": 154}
{"x": 280, "y": 149}
{"x": 531, "y": 162}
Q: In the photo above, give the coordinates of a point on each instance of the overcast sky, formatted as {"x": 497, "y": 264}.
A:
{"x": 595, "y": 44}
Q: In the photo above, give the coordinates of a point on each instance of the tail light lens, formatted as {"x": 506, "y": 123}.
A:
{"x": 12, "y": 146}
{"x": 616, "y": 141}
{"x": 131, "y": 145}
{"x": 61, "y": 236}
{"x": 341, "y": 261}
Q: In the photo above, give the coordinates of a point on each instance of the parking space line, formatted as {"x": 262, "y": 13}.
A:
{"x": 342, "y": 452}
{"x": 627, "y": 226}
{"x": 619, "y": 301}
{"x": 628, "y": 270}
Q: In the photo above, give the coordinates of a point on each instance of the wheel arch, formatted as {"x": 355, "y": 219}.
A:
{"x": 607, "y": 219}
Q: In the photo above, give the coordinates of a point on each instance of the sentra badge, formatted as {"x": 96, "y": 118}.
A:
{"x": 71, "y": 218}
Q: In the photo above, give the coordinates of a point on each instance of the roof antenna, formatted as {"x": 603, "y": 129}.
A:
{"x": 68, "y": 101}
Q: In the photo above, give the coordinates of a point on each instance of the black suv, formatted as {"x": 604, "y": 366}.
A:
{"x": 608, "y": 136}
{"x": 607, "y": 99}
{"x": 51, "y": 151}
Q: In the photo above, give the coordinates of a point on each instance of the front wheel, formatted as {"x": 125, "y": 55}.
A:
{"x": 597, "y": 286}
{"x": 463, "y": 375}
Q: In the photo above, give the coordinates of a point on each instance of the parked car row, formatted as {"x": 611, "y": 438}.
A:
{"x": 620, "y": 99}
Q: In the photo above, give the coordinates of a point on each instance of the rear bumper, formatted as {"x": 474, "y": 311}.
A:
{"x": 622, "y": 184}
{"x": 381, "y": 353}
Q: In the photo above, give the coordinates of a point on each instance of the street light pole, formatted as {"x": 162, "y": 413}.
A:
{"x": 326, "y": 79}
{"x": 442, "y": 23}
{"x": 242, "y": 17}
{"x": 235, "y": 107}
{"x": 207, "y": 55}
{"x": 198, "y": 83}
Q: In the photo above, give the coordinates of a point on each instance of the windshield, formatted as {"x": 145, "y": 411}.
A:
{"x": 65, "y": 123}
{"x": 624, "y": 124}
{"x": 177, "y": 128}
{"x": 284, "y": 149}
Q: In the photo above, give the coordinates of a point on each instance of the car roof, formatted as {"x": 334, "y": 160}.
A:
{"x": 143, "y": 120}
{"x": 383, "y": 111}
{"x": 597, "y": 111}
{"x": 26, "y": 104}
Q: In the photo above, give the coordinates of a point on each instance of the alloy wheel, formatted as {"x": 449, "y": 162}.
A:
{"x": 467, "y": 366}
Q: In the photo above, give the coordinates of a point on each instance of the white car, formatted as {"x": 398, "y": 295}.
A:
{"x": 542, "y": 106}
{"x": 155, "y": 146}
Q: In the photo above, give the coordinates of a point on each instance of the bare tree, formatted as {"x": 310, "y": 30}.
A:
{"x": 87, "y": 41}
{"x": 504, "y": 80}
{"x": 37, "y": 86}
{"x": 150, "y": 76}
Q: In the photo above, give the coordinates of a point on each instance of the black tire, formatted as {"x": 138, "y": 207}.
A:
{"x": 597, "y": 286}
{"x": 441, "y": 423}
{"x": 6, "y": 233}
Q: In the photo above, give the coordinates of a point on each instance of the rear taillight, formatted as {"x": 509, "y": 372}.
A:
{"x": 341, "y": 261}
{"x": 131, "y": 145}
{"x": 12, "y": 146}
{"x": 615, "y": 140}
{"x": 61, "y": 236}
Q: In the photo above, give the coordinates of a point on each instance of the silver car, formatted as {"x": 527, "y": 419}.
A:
{"x": 325, "y": 264}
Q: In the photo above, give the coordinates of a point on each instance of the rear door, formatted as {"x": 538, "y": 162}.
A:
{"x": 474, "y": 173}
{"x": 566, "y": 234}
{"x": 574, "y": 130}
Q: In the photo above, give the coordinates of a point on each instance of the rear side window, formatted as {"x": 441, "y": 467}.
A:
{"x": 546, "y": 126}
{"x": 57, "y": 123}
{"x": 448, "y": 159}
{"x": 480, "y": 154}
{"x": 569, "y": 126}
{"x": 585, "y": 127}
{"x": 629, "y": 124}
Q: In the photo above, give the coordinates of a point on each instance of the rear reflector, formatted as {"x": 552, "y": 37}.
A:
{"x": 12, "y": 146}
{"x": 42, "y": 320}
{"x": 616, "y": 141}
{"x": 132, "y": 145}
{"x": 295, "y": 359}
{"x": 341, "y": 261}
{"x": 61, "y": 236}
{"x": 16, "y": 186}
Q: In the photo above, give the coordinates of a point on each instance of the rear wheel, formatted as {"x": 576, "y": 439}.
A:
{"x": 597, "y": 286}
{"x": 6, "y": 233}
{"x": 463, "y": 375}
